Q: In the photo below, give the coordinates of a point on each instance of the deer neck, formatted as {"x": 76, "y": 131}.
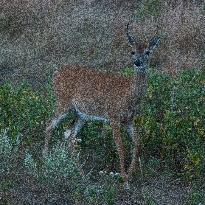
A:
{"x": 139, "y": 79}
{"x": 139, "y": 86}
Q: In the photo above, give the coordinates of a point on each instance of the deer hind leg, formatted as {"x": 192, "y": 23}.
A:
{"x": 120, "y": 147}
{"x": 52, "y": 124}
{"x": 71, "y": 134}
{"x": 136, "y": 147}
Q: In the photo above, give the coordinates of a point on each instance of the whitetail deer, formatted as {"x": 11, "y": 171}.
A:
{"x": 110, "y": 98}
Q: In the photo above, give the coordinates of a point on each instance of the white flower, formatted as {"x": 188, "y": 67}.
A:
{"x": 67, "y": 134}
{"x": 79, "y": 140}
{"x": 112, "y": 174}
{"x": 101, "y": 172}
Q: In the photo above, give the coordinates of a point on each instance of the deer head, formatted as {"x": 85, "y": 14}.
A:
{"x": 140, "y": 53}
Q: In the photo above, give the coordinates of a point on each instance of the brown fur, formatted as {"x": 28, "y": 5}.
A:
{"x": 109, "y": 95}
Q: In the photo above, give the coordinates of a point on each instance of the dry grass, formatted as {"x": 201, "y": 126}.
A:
{"x": 39, "y": 36}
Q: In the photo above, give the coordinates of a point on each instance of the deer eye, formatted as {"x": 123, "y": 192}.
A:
{"x": 132, "y": 52}
{"x": 147, "y": 52}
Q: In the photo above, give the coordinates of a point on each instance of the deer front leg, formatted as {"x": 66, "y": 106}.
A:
{"x": 74, "y": 132}
{"x": 120, "y": 147}
{"x": 136, "y": 149}
{"x": 72, "y": 142}
{"x": 51, "y": 125}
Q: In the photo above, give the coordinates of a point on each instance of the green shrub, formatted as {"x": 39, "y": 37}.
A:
{"x": 173, "y": 121}
{"x": 97, "y": 144}
{"x": 58, "y": 173}
{"x": 22, "y": 110}
{"x": 8, "y": 151}
{"x": 8, "y": 160}
{"x": 105, "y": 191}
{"x": 196, "y": 197}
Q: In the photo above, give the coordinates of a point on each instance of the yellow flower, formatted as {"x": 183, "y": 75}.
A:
{"x": 196, "y": 122}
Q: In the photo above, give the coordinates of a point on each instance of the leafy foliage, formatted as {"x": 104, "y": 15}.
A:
{"x": 8, "y": 160}
{"x": 22, "y": 110}
{"x": 171, "y": 128}
{"x": 57, "y": 172}
{"x": 173, "y": 121}
{"x": 196, "y": 197}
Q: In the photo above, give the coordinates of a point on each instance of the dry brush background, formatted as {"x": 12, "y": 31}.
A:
{"x": 38, "y": 36}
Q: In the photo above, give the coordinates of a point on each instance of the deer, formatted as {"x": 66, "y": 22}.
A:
{"x": 99, "y": 96}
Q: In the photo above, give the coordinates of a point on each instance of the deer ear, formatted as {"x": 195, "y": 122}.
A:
{"x": 154, "y": 42}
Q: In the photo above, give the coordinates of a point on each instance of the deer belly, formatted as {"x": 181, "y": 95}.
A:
{"x": 90, "y": 112}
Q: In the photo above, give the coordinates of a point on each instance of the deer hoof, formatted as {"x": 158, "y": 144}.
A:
{"x": 67, "y": 134}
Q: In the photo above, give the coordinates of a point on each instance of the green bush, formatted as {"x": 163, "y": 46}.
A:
{"x": 172, "y": 135}
{"x": 57, "y": 173}
{"x": 105, "y": 191}
{"x": 22, "y": 110}
{"x": 196, "y": 197}
{"x": 8, "y": 160}
{"x": 173, "y": 121}
{"x": 97, "y": 144}
{"x": 60, "y": 175}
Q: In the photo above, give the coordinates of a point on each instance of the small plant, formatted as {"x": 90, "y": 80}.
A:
{"x": 128, "y": 72}
{"x": 8, "y": 151}
{"x": 173, "y": 121}
{"x": 30, "y": 164}
{"x": 149, "y": 8}
{"x": 22, "y": 110}
{"x": 105, "y": 190}
{"x": 57, "y": 172}
{"x": 8, "y": 160}
{"x": 196, "y": 197}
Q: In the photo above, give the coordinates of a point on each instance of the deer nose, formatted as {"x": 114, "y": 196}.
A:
{"x": 138, "y": 63}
